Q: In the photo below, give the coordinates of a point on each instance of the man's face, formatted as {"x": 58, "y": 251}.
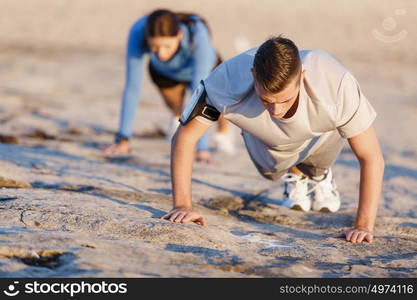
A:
{"x": 165, "y": 46}
{"x": 279, "y": 104}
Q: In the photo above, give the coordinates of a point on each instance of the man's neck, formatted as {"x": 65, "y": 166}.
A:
{"x": 293, "y": 108}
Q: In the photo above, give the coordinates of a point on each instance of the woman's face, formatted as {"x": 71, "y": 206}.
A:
{"x": 165, "y": 46}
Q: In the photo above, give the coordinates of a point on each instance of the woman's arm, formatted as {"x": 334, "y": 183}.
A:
{"x": 134, "y": 62}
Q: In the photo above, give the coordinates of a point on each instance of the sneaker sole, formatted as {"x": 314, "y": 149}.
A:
{"x": 298, "y": 208}
{"x": 325, "y": 210}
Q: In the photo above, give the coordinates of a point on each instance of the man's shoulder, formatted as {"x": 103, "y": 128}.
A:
{"x": 314, "y": 53}
{"x": 324, "y": 72}
{"x": 231, "y": 81}
{"x": 239, "y": 65}
{"x": 320, "y": 61}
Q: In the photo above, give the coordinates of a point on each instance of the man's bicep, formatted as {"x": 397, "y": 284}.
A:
{"x": 194, "y": 129}
{"x": 365, "y": 145}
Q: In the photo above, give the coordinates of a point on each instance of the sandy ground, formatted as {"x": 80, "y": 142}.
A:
{"x": 66, "y": 210}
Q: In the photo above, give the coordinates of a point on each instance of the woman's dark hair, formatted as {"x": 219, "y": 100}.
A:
{"x": 163, "y": 22}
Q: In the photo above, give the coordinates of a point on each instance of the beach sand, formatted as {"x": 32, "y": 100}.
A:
{"x": 68, "y": 211}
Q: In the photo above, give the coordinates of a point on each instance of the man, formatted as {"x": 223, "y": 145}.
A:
{"x": 295, "y": 109}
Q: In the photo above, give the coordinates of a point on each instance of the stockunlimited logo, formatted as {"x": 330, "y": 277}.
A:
{"x": 11, "y": 290}
{"x": 390, "y": 26}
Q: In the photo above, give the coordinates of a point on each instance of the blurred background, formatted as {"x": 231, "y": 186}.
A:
{"x": 66, "y": 49}
{"x": 343, "y": 27}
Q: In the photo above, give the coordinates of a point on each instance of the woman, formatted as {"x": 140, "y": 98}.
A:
{"x": 181, "y": 54}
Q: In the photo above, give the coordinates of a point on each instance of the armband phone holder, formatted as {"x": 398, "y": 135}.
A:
{"x": 197, "y": 106}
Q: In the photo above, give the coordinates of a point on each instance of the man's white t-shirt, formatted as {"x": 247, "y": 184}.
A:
{"x": 330, "y": 99}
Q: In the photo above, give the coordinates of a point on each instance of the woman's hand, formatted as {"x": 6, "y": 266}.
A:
{"x": 122, "y": 147}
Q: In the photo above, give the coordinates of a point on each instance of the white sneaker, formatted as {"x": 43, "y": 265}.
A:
{"x": 326, "y": 197}
{"x": 224, "y": 142}
{"x": 296, "y": 194}
{"x": 172, "y": 127}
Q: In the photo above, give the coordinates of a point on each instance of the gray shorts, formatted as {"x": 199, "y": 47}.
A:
{"x": 319, "y": 155}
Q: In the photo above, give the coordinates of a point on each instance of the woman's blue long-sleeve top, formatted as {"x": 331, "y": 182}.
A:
{"x": 192, "y": 62}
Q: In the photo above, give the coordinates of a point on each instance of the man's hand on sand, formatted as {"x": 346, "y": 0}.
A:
{"x": 357, "y": 235}
{"x": 118, "y": 148}
{"x": 184, "y": 215}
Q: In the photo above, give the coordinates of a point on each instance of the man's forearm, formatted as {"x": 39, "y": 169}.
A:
{"x": 182, "y": 157}
{"x": 371, "y": 178}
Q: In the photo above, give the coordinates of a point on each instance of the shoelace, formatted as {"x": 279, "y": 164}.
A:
{"x": 293, "y": 178}
{"x": 325, "y": 187}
